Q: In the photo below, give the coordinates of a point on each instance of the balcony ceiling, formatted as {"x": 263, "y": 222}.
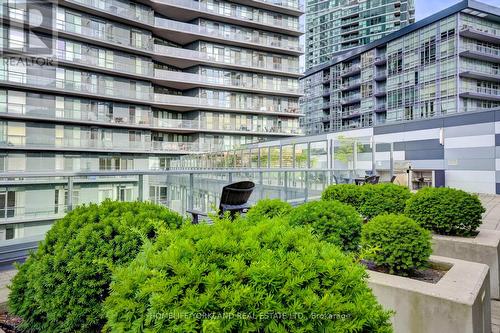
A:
{"x": 185, "y": 14}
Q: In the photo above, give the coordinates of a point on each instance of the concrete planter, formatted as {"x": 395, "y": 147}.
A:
{"x": 458, "y": 303}
{"x": 484, "y": 249}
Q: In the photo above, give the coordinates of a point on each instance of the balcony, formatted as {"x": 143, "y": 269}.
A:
{"x": 483, "y": 93}
{"x": 480, "y": 73}
{"x": 187, "y": 10}
{"x": 190, "y": 103}
{"x": 380, "y": 76}
{"x": 489, "y": 35}
{"x": 184, "y": 58}
{"x": 351, "y": 114}
{"x": 380, "y": 108}
{"x": 185, "y": 33}
{"x": 184, "y": 80}
{"x": 197, "y": 125}
{"x": 380, "y": 92}
{"x": 351, "y": 99}
{"x": 118, "y": 10}
{"x": 351, "y": 85}
{"x": 65, "y": 144}
{"x": 380, "y": 60}
{"x": 84, "y": 33}
{"x": 475, "y": 51}
{"x": 294, "y": 8}
{"x": 350, "y": 71}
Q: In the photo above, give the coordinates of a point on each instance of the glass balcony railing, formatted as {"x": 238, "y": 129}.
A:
{"x": 201, "y": 102}
{"x": 119, "y": 8}
{"x": 223, "y": 59}
{"x": 32, "y": 212}
{"x": 482, "y": 49}
{"x": 230, "y": 11}
{"x": 294, "y": 4}
{"x": 75, "y": 114}
{"x": 482, "y": 90}
{"x": 84, "y": 144}
{"x": 351, "y": 99}
{"x": 21, "y": 111}
{"x": 481, "y": 29}
{"x": 101, "y": 87}
{"x": 351, "y": 84}
{"x": 138, "y": 41}
{"x": 235, "y": 36}
{"x": 480, "y": 69}
{"x": 351, "y": 70}
{"x": 226, "y": 82}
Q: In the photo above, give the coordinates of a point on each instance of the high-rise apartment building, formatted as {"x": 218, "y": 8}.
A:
{"x": 334, "y": 26}
{"x": 96, "y": 85}
{"x": 445, "y": 64}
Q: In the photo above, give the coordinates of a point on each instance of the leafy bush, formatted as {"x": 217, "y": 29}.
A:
{"x": 268, "y": 208}
{"x": 349, "y": 194}
{"x": 383, "y": 198}
{"x": 400, "y": 244}
{"x": 62, "y": 285}
{"x": 446, "y": 211}
{"x": 332, "y": 221}
{"x": 242, "y": 277}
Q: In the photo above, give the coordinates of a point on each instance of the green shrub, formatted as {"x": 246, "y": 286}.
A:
{"x": 349, "y": 194}
{"x": 446, "y": 211}
{"x": 268, "y": 208}
{"x": 383, "y": 198}
{"x": 62, "y": 285}
{"x": 399, "y": 243}
{"x": 332, "y": 221}
{"x": 242, "y": 277}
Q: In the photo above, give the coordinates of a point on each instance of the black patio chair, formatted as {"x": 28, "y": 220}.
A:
{"x": 367, "y": 180}
{"x": 234, "y": 199}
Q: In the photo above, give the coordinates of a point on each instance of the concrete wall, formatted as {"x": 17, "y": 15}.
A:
{"x": 457, "y": 303}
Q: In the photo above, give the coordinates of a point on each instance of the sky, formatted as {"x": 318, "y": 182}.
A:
{"x": 424, "y": 8}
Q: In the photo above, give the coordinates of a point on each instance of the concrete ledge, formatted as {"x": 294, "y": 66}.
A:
{"x": 458, "y": 303}
{"x": 484, "y": 249}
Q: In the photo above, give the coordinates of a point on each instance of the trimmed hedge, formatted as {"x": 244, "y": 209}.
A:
{"x": 332, "y": 221}
{"x": 383, "y": 198}
{"x": 398, "y": 243}
{"x": 62, "y": 285}
{"x": 349, "y": 194}
{"x": 268, "y": 208}
{"x": 446, "y": 211}
{"x": 242, "y": 277}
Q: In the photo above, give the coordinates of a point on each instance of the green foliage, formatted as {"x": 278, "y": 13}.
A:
{"x": 242, "y": 277}
{"x": 383, "y": 198}
{"x": 446, "y": 211}
{"x": 268, "y": 208}
{"x": 345, "y": 151}
{"x": 62, "y": 285}
{"x": 332, "y": 221}
{"x": 401, "y": 244}
{"x": 349, "y": 194}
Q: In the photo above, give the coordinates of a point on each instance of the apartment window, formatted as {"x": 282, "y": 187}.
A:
{"x": 7, "y": 203}
{"x": 16, "y": 133}
{"x": 428, "y": 52}
{"x": 9, "y": 232}
{"x": 395, "y": 62}
{"x": 124, "y": 193}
